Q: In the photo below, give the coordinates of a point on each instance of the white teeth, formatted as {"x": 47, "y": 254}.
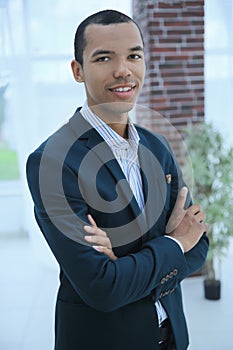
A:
{"x": 123, "y": 89}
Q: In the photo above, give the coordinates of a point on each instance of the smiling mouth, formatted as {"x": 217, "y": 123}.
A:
{"x": 123, "y": 88}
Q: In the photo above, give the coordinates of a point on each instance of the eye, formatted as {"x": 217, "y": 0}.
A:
{"x": 135, "y": 56}
{"x": 102, "y": 59}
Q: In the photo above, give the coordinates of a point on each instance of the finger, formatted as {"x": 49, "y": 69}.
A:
{"x": 201, "y": 216}
{"x": 105, "y": 251}
{"x": 194, "y": 209}
{"x": 103, "y": 241}
{"x": 181, "y": 198}
{"x": 91, "y": 220}
{"x": 101, "y": 249}
{"x": 206, "y": 228}
{"x": 94, "y": 230}
{"x": 178, "y": 211}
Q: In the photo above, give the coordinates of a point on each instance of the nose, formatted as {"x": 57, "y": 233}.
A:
{"x": 122, "y": 70}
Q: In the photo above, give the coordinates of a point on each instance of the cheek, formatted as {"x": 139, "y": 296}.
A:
{"x": 94, "y": 81}
{"x": 142, "y": 72}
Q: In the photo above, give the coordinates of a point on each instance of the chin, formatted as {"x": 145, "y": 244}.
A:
{"x": 117, "y": 107}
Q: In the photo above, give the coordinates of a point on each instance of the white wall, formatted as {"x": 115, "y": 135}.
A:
{"x": 219, "y": 66}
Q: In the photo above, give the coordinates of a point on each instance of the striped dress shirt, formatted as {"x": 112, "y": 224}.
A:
{"x": 126, "y": 153}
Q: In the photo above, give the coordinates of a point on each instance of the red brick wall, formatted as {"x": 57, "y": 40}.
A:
{"x": 174, "y": 48}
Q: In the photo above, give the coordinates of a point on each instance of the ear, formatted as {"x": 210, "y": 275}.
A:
{"x": 77, "y": 71}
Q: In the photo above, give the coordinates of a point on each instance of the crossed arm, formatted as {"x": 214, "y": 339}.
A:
{"x": 107, "y": 284}
{"x": 185, "y": 225}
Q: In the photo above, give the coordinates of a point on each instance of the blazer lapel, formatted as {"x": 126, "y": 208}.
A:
{"x": 96, "y": 144}
{"x": 154, "y": 184}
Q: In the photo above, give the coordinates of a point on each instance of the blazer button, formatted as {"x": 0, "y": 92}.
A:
{"x": 175, "y": 271}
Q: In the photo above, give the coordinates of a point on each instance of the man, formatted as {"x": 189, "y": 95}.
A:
{"x": 110, "y": 200}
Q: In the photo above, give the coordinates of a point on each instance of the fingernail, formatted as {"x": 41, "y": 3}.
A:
{"x": 88, "y": 238}
{"x": 184, "y": 189}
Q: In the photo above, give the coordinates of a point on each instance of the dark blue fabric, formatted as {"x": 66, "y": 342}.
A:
{"x": 106, "y": 304}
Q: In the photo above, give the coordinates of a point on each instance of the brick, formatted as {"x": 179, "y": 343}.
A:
{"x": 182, "y": 99}
{"x": 194, "y": 3}
{"x": 150, "y": 6}
{"x": 175, "y": 23}
{"x": 176, "y": 40}
{"x": 169, "y": 74}
{"x": 177, "y": 82}
{"x": 195, "y": 49}
{"x": 154, "y": 83}
{"x": 165, "y": 14}
{"x": 156, "y": 32}
{"x": 170, "y": 5}
{"x": 153, "y": 23}
{"x": 163, "y": 49}
{"x": 165, "y": 108}
{"x": 197, "y": 22}
{"x": 160, "y": 100}
{"x": 195, "y": 40}
{"x": 199, "y": 31}
{"x": 156, "y": 92}
{"x": 177, "y": 59}
{"x": 155, "y": 58}
{"x": 192, "y": 13}
{"x": 170, "y": 65}
{"x": 180, "y": 31}
{"x": 195, "y": 64}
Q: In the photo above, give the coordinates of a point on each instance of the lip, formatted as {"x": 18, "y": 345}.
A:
{"x": 123, "y": 94}
{"x": 118, "y": 86}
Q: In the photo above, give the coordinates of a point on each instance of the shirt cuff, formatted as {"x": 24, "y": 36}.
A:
{"x": 175, "y": 240}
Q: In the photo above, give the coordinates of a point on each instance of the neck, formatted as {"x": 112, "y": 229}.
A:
{"x": 120, "y": 129}
{"x": 118, "y": 122}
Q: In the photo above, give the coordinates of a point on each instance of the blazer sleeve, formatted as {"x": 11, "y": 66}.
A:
{"x": 103, "y": 284}
{"x": 196, "y": 257}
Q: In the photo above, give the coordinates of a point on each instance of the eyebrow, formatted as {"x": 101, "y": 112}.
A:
{"x": 137, "y": 48}
{"x": 108, "y": 52}
{"x": 102, "y": 52}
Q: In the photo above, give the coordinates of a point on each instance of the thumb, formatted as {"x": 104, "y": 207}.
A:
{"x": 178, "y": 211}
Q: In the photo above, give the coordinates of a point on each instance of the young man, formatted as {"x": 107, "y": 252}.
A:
{"x": 110, "y": 200}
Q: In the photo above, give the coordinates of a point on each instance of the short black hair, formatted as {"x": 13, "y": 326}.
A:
{"x": 105, "y": 17}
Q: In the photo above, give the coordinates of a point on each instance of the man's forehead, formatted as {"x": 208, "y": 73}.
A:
{"x": 113, "y": 32}
{"x": 107, "y": 36}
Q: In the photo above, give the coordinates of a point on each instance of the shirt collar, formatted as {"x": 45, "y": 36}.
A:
{"x": 113, "y": 139}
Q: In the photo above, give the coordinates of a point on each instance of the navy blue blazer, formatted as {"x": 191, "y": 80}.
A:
{"x": 102, "y": 303}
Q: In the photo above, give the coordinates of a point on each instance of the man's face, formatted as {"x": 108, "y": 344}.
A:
{"x": 113, "y": 67}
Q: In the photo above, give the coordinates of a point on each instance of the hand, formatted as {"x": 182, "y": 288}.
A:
{"x": 186, "y": 225}
{"x": 99, "y": 237}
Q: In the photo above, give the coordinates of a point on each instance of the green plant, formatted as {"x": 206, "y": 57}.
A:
{"x": 212, "y": 167}
{"x": 2, "y": 105}
{"x": 9, "y": 169}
